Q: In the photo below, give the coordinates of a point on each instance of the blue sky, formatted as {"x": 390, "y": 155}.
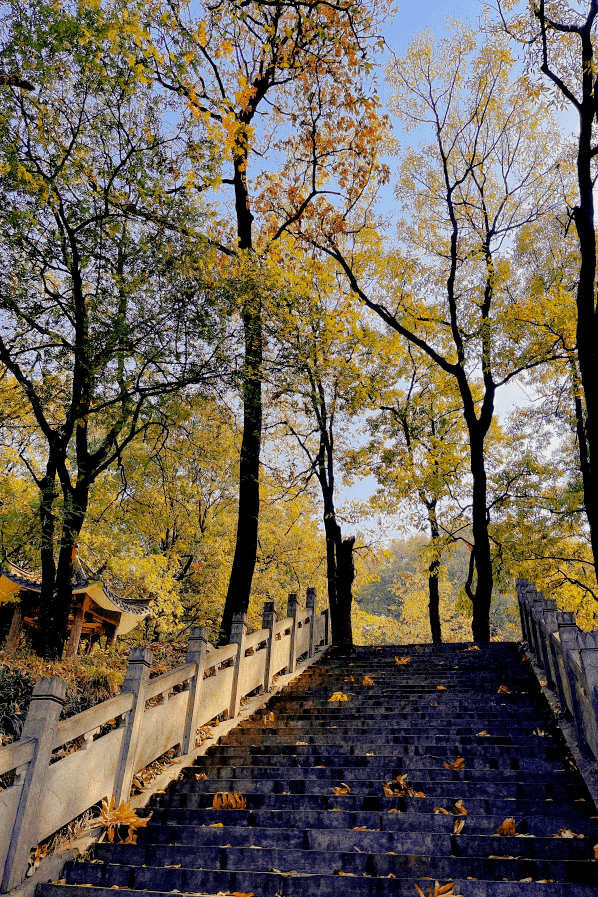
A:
{"x": 412, "y": 17}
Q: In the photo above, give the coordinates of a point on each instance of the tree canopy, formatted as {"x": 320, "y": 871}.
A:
{"x": 239, "y": 272}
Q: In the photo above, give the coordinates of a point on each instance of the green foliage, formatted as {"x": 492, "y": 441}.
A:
{"x": 399, "y": 596}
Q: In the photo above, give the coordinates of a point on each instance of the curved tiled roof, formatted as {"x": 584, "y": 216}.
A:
{"x": 82, "y": 577}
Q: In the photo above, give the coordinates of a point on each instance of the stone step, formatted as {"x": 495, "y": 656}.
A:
{"x": 276, "y": 885}
{"x": 189, "y": 877}
{"x": 297, "y": 838}
{"x": 541, "y": 826}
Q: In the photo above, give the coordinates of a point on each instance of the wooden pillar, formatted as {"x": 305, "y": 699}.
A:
{"x": 12, "y": 640}
{"x": 111, "y": 637}
{"x": 75, "y": 635}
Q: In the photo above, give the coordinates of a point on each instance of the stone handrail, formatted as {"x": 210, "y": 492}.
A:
{"x": 569, "y": 658}
{"x": 85, "y": 722}
{"x": 50, "y": 791}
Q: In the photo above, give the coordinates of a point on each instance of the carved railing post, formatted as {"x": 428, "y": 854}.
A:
{"x": 237, "y": 636}
{"x": 136, "y": 679}
{"x": 589, "y": 666}
{"x": 269, "y": 623}
{"x": 310, "y": 603}
{"x": 196, "y": 653}
{"x": 292, "y": 611}
{"x": 41, "y": 725}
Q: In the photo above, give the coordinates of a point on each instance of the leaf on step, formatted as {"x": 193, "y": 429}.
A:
{"x": 401, "y": 661}
{"x": 567, "y": 833}
{"x": 440, "y": 688}
{"x": 529, "y": 878}
{"x": 342, "y": 789}
{"x": 227, "y": 800}
{"x": 458, "y": 826}
{"x": 503, "y": 690}
{"x": 394, "y": 810}
{"x": 459, "y": 763}
{"x": 200, "y": 776}
{"x": 367, "y": 680}
{"x": 596, "y": 851}
{"x": 338, "y": 696}
{"x": 243, "y": 894}
{"x": 540, "y": 732}
{"x": 334, "y": 810}
{"x": 525, "y": 657}
{"x": 174, "y": 866}
{"x": 441, "y": 811}
{"x": 370, "y": 754}
{"x": 364, "y": 828}
{"x": 507, "y": 828}
{"x": 216, "y": 825}
{"x": 473, "y": 648}
{"x": 357, "y": 849}
{"x": 447, "y": 889}
{"x": 482, "y": 734}
{"x": 459, "y": 809}
{"x": 301, "y": 742}
{"x": 349, "y": 679}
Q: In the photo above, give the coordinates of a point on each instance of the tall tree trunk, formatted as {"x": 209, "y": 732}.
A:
{"x": 483, "y": 557}
{"x": 587, "y": 323}
{"x": 48, "y": 495}
{"x": 52, "y": 629}
{"x": 241, "y": 577}
{"x": 345, "y": 574}
{"x": 433, "y": 571}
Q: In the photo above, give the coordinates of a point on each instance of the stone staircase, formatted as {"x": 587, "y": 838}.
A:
{"x": 463, "y": 740}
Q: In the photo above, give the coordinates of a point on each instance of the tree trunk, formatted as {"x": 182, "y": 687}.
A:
{"x": 433, "y": 571}
{"x": 52, "y": 627}
{"x": 587, "y": 348}
{"x": 241, "y": 577}
{"x": 48, "y": 497}
{"x": 333, "y": 538}
{"x": 483, "y": 557}
{"x": 345, "y": 574}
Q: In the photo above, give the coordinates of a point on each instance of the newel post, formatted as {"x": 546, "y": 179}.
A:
{"x": 292, "y": 611}
{"x": 196, "y": 653}
{"x": 41, "y": 725}
{"x": 589, "y": 665}
{"x": 237, "y": 636}
{"x": 310, "y": 603}
{"x": 136, "y": 679}
{"x": 269, "y": 622}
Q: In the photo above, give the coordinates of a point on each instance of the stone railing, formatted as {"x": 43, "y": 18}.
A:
{"x": 47, "y": 793}
{"x": 569, "y": 658}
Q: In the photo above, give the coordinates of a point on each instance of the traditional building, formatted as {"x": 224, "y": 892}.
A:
{"x": 95, "y": 610}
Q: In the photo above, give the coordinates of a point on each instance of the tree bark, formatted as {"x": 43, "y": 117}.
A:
{"x": 483, "y": 557}
{"x": 241, "y": 577}
{"x": 345, "y": 573}
{"x": 433, "y": 571}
